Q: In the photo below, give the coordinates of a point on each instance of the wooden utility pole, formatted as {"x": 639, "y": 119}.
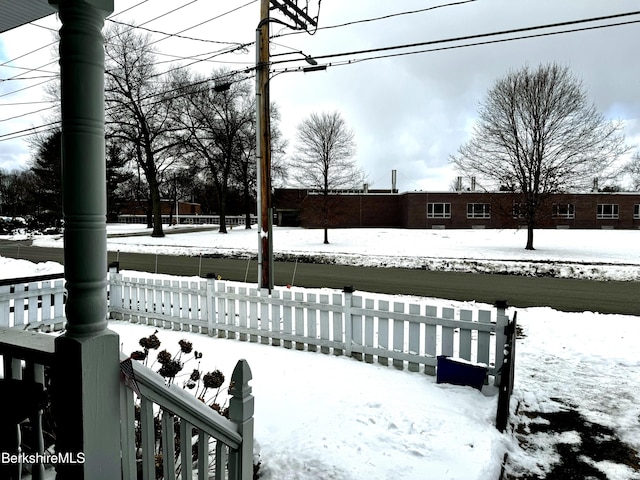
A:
{"x": 263, "y": 151}
{"x": 301, "y": 21}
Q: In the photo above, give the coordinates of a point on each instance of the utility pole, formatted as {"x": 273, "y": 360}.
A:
{"x": 301, "y": 20}
{"x": 263, "y": 151}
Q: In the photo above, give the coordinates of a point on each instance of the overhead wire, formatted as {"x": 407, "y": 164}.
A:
{"x": 383, "y": 17}
{"x": 481, "y": 35}
{"x": 236, "y": 45}
{"x": 413, "y": 45}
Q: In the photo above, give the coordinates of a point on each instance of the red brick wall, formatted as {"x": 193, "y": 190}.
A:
{"x": 409, "y": 210}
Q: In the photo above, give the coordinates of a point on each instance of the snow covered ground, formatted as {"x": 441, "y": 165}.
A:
{"x": 326, "y": 417}
{"x": 594, "y": 254}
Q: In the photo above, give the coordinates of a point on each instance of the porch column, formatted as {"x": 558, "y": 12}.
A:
{"x": 85, "y": 384}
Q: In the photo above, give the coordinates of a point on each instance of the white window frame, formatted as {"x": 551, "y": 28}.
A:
{"x": 445, "y": 207}
{"x": 636, "y": 211}
{"x": 603, "y": 214}
{"x": 564, "y": 210}
{"x": 479, "y": 210}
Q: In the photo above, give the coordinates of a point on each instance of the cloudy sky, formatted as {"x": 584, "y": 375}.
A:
{"x": 409, "y": 111}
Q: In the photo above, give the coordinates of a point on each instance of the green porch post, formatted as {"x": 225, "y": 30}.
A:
{"x": 85, "y": 385}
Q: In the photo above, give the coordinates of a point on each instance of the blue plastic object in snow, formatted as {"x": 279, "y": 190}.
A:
{"x": 458, "y": 372}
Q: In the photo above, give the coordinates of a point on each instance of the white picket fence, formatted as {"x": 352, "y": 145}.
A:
{"x": 368, "y": 327}
{"x": 33, "y": 302}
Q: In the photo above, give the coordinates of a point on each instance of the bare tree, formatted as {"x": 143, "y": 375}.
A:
{"x": 632, "y": 169}
{"x": 138, "y": 109}
{"x": 537, "y": 134}
{"x": 324, "y": 158}
{"x": 244, "y": 169}
{"x": 215, "y": 121}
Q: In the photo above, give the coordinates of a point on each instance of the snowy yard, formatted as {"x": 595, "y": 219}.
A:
{"x": 326, "y": 417}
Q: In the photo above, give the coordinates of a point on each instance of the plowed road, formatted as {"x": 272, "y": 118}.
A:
{"x": 561, "y": 294}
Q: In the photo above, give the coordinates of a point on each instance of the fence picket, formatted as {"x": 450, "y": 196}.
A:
{"x": 369, "y": 305}
{"x": 194, "y": 297}
{"x": 5, "y": 305}
{"x": 18, "y": 306}
{"x": 32, "y": 304}
{"x": 312, "y": 322}
{"x": 221, "y": 310}
{"x": 45, "y": 305}
{"x": 414, "y": 337}
{"x": 253, "y": 313}
{"x": 126, "y": 300}
{"x": 324, "y": 323}
{"x": 398, "y": 335}
{"x": 299, "y": 319}
{"x": 383, "y": 331}
{"x": 287, "y": 320}
{"x": 231, "y": 313}
{"x": 184, "y": 304}
{"x": 465, "y": 335}
{"x": 276, "y": 319}
{"x": 484, "y": 338}
{"x": 430, "y": 340}
{"x": 243, "y": 321}
{"x": 447, "y": 332}
{"x": 356, "y": 328}
{"x": 264, "y": 317}
{"x": 58, "y": 308}
{"x": 337, "y": 324}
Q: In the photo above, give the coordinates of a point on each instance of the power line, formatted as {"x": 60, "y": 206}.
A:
{"x": 233, "y": 73}
{"x": 26, "y": 103}
{"x": 30, "y": 131}
{"x": 383, "y": 17}
{"x": 440, "y": 49}
{"x": 472, "y": 37}
{"x": 207, "y": 21}
{"x": 173, "y": 35}
{"x": 27, "y": 114}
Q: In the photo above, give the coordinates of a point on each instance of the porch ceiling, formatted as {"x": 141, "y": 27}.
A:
{"x": 14, "y": 13}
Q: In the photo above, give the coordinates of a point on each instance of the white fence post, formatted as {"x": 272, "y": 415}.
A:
{"x": 208, "y": 305}
{"x": 115, "y": 291}
{"x": 348, "y": 321}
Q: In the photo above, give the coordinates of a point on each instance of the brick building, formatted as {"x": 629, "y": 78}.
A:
{"x": 462, "y": 209}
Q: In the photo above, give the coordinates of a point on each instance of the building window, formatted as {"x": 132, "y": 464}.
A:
{"x": 519, "y": 210}
{"x": 565, "y": 210}
{"x": 478, "y": 210}
{"x": 438, "y": 210}
{"x": 636, "y": 211}
{"x": 607, "y": 210}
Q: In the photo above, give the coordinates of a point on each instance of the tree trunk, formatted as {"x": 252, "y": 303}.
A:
{"x": 157, "y": 210}
{"x": 326, "y": 235}
{"x": 530, "y": 227}
{"x": 223, "y": 212}
{"x": 247, "y": 206}
{"x": 149, "y": 214}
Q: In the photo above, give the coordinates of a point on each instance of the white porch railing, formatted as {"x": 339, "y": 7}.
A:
{"x": 25, "y": 355}
{"x": 230, "y": 440}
